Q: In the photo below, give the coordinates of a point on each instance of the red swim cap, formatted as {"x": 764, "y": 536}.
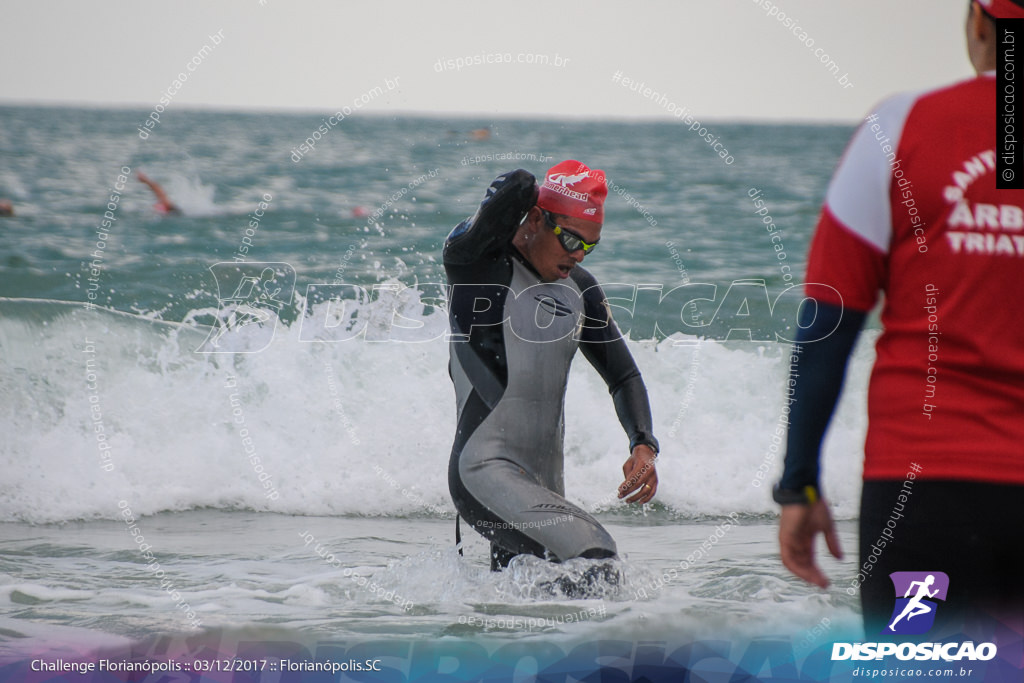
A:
{"x": 1002, "y": 9}
{"x": 572, "y": 189}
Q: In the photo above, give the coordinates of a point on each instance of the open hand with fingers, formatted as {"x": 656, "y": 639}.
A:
{"x": 641, "y": 477}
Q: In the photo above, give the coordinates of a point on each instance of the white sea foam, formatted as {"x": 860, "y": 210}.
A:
{"x": 355, "y": 427}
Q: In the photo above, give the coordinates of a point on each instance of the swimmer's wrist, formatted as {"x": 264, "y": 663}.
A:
{"x": 648, "y": 441}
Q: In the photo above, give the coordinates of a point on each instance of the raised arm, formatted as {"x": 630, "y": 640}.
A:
{"x": 161, "y": 196}
{"x": 494, "y": 224}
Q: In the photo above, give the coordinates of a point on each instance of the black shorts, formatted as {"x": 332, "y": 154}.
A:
{"x": 974, "y": 532}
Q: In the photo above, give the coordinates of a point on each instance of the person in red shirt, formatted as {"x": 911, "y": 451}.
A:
{"x": 913, "y": 212}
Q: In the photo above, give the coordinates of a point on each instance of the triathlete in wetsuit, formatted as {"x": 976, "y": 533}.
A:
{"x": 520, "y": 307}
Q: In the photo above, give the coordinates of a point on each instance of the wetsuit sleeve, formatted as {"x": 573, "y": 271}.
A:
{"x": 604, "y": 346}
{"x": 819, "y": 368}
{"x": 494, "y": 224}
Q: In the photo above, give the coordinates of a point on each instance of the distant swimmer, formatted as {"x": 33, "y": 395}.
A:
{"x": 915, "y": 607}
{"x": 163, "y": 204}
{"x": 520, "y": 306}
{"x": 6, "y": 208}
{"x": 476, "y": 135}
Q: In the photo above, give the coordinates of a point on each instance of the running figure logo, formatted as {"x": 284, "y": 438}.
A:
{"x": 914, "y": 613}
{"x": 247, "y": 318}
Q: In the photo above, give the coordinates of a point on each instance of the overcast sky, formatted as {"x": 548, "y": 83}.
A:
{"x": 722, "y": 59}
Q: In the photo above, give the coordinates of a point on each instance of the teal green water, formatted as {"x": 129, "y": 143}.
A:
{"x": 59, "y": 167}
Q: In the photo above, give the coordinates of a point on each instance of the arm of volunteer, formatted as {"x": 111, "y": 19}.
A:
{"x": 846, "y": 267}
{"x": 605, "y": 348}
{"x": 819, "y": 368}
{"x": 494, "y": 224}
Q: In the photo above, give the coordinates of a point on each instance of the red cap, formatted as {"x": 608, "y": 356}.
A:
{"x": 1002, "y": 9}
{"x": 572, "y": 189}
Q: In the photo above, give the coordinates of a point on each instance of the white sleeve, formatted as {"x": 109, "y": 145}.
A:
{"x": 858, "y": 194}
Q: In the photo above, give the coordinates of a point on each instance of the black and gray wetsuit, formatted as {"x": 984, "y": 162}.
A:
{"x": 513, "y": 340}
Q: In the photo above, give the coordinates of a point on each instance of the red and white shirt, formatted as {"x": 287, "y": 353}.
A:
{"x": 913, "y": 211}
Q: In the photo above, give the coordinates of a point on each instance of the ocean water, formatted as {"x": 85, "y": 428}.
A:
{"x": 292, "y": 485}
